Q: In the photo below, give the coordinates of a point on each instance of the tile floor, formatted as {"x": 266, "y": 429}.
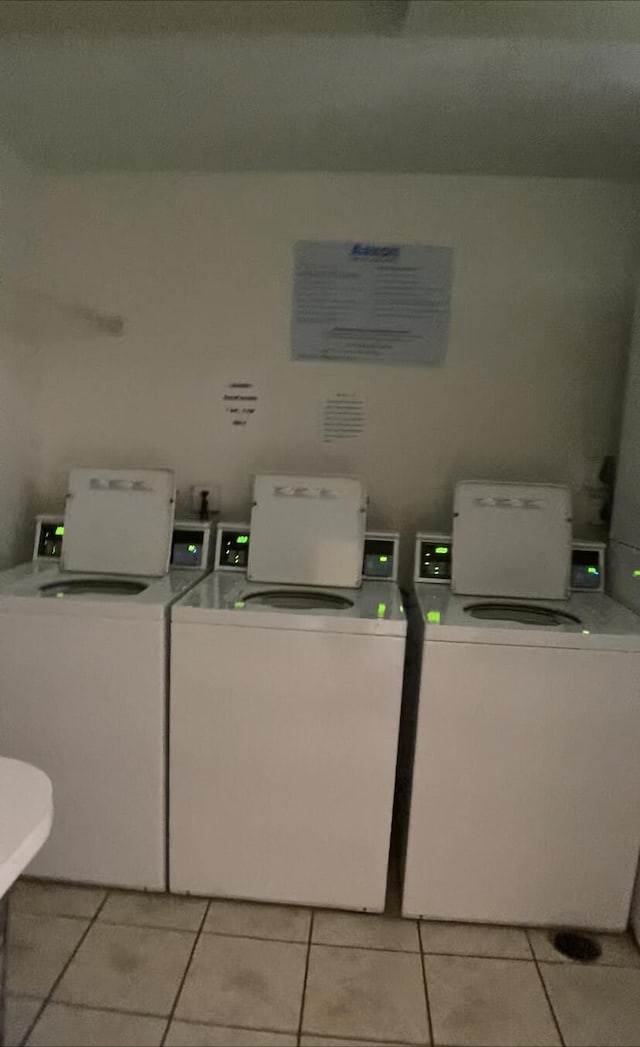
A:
{"x": 91, "y": 967}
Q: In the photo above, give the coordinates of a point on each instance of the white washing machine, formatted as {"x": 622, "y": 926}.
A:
{"x": 285, "y": 705}
{"x": 526, "y": 783}
{"x": 84, "y": 653}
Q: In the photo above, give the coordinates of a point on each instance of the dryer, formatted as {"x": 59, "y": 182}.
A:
{"x": 523, "y": 799}
{"x": 84, "y": 647}
{"x": 285, "y": 705}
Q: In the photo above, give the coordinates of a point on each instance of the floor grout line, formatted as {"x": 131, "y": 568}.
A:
{"x": 228, "y": 934}
{"x": 154, "y": 926}
{"x": 186, "y": 971}
{"x": 322, "y": 1037}
{"x": 427, "y": 952}
{"x": 64, "y": 970}
{"x": 426, "y": 987}
{"x": 77, "y": 1006}
{"x": 163, "y": 1017}
{"x": 479, "y": 956}
{"x": 52, "y": 915}
{"x": 306, "y": 975}
{"x": 226, "y": 1025}
{"x": 545, "y": 990}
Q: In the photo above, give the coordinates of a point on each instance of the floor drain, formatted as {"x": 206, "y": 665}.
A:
{"x": 577, "y": 946}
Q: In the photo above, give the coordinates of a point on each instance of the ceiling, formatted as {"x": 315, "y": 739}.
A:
{"x": 502, "y": 87}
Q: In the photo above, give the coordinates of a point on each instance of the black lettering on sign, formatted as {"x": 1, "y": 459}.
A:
{"x": 240, "y": 399}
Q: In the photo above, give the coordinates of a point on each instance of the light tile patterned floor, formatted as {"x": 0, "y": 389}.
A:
{"x": 89, "y": 968}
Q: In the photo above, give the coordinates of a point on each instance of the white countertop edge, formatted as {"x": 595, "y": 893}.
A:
{"x": 24, "y": 840}
{"x": 13, "y": 868}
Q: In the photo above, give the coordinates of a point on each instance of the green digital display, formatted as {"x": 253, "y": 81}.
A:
{"x": 382, "y": 610}
{"x": 433, "y": 617}
{"x": 238, "y": 604}
{"x": 192, "y": 548}
{"x": 636, "y": 574}
{"x": 383, "y": 559}
{"x": 442, "y": 550}
{"x": 59, "y": 532}
{"x": 242, "y": 539}
{"x": 592, "y": 570}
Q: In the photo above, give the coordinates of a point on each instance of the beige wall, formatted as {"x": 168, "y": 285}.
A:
{"x": 200, "y": 267}
{"x": 18, "y": 436}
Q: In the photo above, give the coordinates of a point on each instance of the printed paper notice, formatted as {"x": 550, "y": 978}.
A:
{"x": 240, "y": 401}
{"x": 376, "y": 303}
{"x": 342, "y": 417}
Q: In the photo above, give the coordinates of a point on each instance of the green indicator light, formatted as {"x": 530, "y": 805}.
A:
{"x": 383, "y": 559}
{"x": 592, "y": 570}
{"x": 59, "y": 531}
{"x": 382, "y": 610}
{"x": 192, "y": 548}
{"x": 59, "y": 595}
{"x": 242, "y": 539}
{"x": 586, "y": 632}
{"x": 239, "y": 603}
{"x": 433, "y": 617}
{"x": 442, "y": 550}
{"x": 636, "y": 574}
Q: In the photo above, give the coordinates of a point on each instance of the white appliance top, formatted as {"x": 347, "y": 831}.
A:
{"x": 34, "y": 588}
{"x": 602, "y": 623}
{"x": 512, "y": 540}
{"x": 119, "y": 521}
{"x": 26, "y": 812}
{"x": 307, "y": 530}
{"x": 226, "y": 599}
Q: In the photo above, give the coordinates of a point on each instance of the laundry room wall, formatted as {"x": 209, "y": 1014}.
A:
{"x": 18, "y": 436}
{"x": 200, "y": 269}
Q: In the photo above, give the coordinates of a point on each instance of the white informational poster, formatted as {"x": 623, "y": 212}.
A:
{"x": 376, "y": 303}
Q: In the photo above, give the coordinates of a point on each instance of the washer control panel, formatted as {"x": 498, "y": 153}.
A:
{"x": 380, "y": 559}
{"x": 49, "y": 536}
{"x": 190, "y": 545}
{"x": 434, "y": 557}
{"x": 587, "y": 566}
{"x": 232, "y": 547}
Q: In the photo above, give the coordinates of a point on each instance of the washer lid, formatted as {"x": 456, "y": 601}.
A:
{"x": 512, "y": 540}
{"x": 307, "y": 530}
{"x": 119, "y": 521}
